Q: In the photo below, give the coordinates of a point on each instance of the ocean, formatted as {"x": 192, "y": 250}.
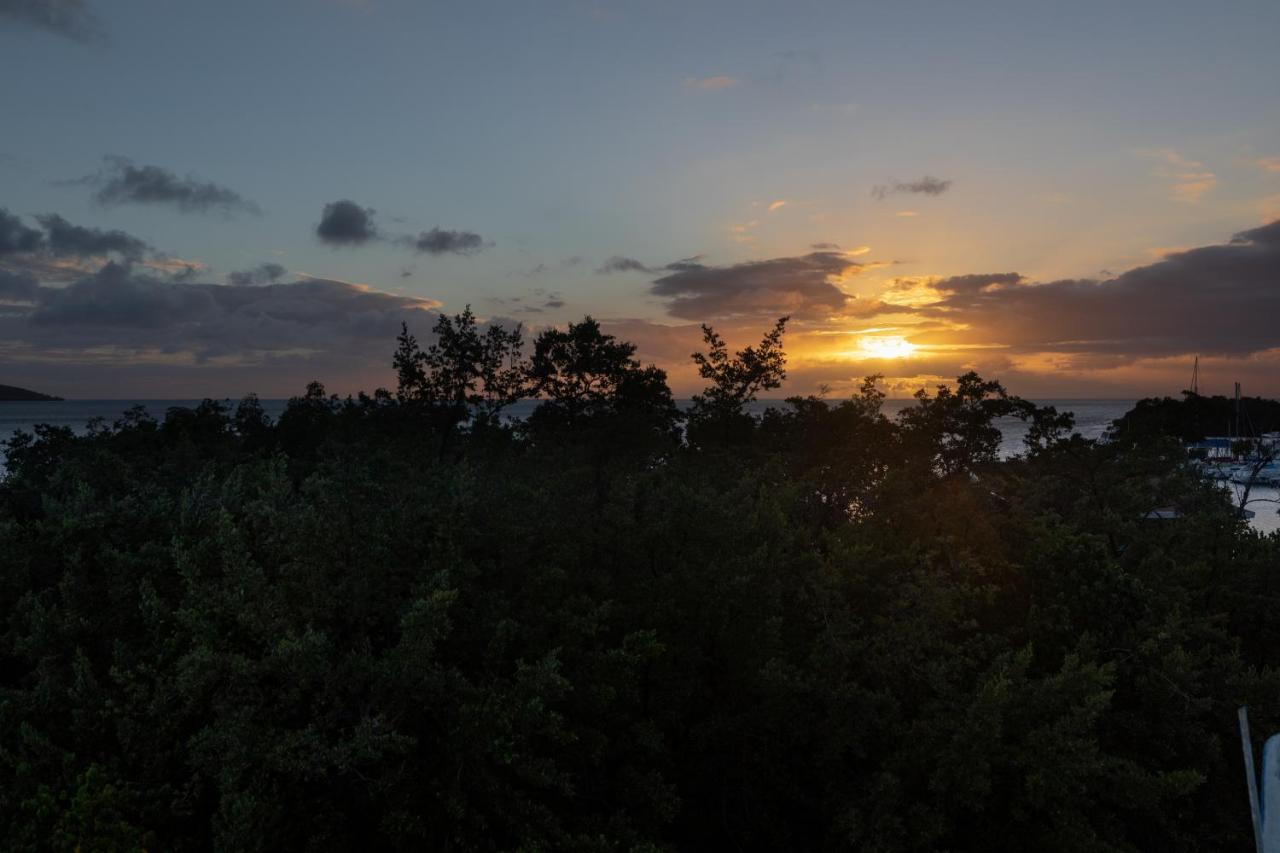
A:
{"x": 1092, "y": 419}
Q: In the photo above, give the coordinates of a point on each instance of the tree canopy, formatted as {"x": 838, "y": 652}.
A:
{"x": 403, "y": 621}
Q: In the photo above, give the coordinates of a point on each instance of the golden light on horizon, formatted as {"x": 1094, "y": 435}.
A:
{"x": 883, "y": 346}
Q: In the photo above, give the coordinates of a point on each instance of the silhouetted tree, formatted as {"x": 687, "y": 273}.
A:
{"x": 717, "y": 414}
{"x": 465, "y": 373}
{"x": 584, "y": 373}
{"x": 955, "y": 429}
{"x": 803, "y": 631}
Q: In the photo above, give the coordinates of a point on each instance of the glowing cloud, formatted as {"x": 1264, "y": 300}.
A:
{"x": 1191, "y": 180}
{"x": 883, "y": 346}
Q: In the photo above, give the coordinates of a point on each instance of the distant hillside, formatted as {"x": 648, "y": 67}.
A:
{"x": 9, "y": 393}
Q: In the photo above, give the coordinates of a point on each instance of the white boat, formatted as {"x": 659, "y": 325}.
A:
{"x": 1249, "y": 472}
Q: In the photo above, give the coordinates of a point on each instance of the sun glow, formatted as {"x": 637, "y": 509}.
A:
{"x": 884, "y": 346}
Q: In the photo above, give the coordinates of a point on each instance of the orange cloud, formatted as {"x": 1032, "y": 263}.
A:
{"x": 1191, "y": 180}
{"x": 172, "y": 266}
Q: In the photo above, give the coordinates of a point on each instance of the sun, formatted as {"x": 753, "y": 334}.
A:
{"x": 884, "y": 346}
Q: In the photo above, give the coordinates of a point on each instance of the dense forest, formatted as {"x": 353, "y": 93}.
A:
{"x": 406, "y": 622}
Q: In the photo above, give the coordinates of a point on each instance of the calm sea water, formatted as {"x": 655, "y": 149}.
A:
{"x": 1092, "y": 419}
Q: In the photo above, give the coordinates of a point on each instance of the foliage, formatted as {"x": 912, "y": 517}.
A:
{"x": 1196, "y": 416}
{"x": 401, "y": 622}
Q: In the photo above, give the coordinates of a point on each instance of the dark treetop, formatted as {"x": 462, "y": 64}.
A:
{"x": 404, "y": 622}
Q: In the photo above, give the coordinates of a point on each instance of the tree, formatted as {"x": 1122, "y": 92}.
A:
{"x": 717, "y": 414}
{"x": 584, "y": 373}
{"x": 955, "y": 430}
{"x": 737, "y": 380}
{"x": 465, "y": 373}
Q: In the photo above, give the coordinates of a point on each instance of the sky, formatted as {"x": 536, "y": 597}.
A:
{"x": 1078, "y": 199}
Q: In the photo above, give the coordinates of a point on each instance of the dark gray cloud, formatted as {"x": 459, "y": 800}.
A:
{"x": 43, "y": 252}
{"x": 1212, "y": 300}
{"x": 186, "y": 273}
{"x": 122, "y": 307}
{"x": 63, "y": 240}
{"x": 692, "y": 264}
{"x": 16, "y": 237}
{"x": 122, "y": 326}
{"x": 121, "y": 181}
{"x": 345, "y": 223}
{"x": 540, "y": 301}
{"x": 618, "y": 263}
{"x": 69, "y": 18}
{"x": 17, "y": 286}
{"x": 439, "y": 241}
{"x": 928, "y": 185}
{"x": 264, "y": 273}
{"x": 800, "y": 286}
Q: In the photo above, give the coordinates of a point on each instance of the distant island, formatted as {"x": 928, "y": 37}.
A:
{"x": 10, "y": 393}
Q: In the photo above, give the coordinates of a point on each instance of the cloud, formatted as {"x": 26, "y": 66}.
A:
{"x": 686, "y": 264}
{"x": 740, "y": 232}
{"x": 822, "y": 247}
{"x": 123, "y": 182}
{"x": 774, "y": 205}
{"x": 710, "y": 84}
{"x": 543, "y": 268}
{"x": 176, "y": 269}
{"x": 60, "y": 239}
{"x": 1269, "y": 164}
{"x": 1190, "y": 178}
{"x": 17, "y": 287}
{"x": 264, "y": 273}
{"x": 800, "y": 286}
{"x": 547, "y": 300}
{"x": 620, "y": 263}
{"x": 130, "y": 314}
{"x": 1212, "y": 300}
{"x": 69, "y": 18}
{"x": 928, "y": 185}
{"x": 17, "y": 237}
{"x": 345, "y": 223}
{"x": 66, "y": 240}
{"x": 438, "y": 241}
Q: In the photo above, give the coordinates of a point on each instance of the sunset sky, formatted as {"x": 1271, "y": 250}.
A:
{"x": 216, "y": 198}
